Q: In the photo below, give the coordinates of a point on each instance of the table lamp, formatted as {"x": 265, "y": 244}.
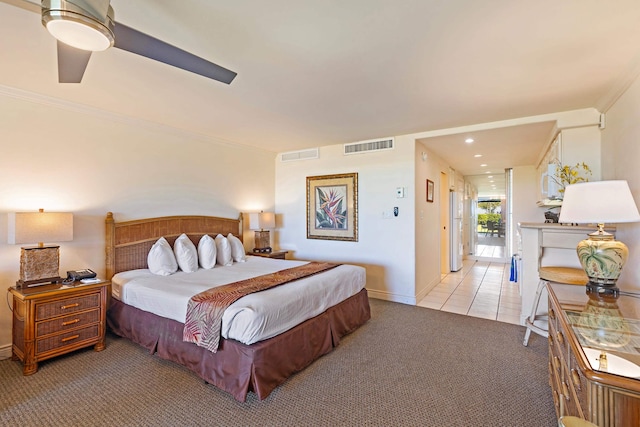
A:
{"x": 258, "y": 222}
{"x": 601, "y": 256}
{"x": 39, "y": 264}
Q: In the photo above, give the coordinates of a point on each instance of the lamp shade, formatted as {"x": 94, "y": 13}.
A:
{"x": 598, "y": 202}
{"x": 262, "y": 220}
{"x": 40, "y": 227}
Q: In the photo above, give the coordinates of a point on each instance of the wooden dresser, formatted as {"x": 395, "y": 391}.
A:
{"x": 604, "y": 390}
{"x": 51, "y": 320}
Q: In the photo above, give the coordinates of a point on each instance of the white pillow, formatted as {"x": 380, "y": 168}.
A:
{"x": 224, "y": 250}
{"x": 186, "y": 254}
{"x": 207, "y": 252}
{"x": 161, "y": 259}
{"x": 237, "y": 248}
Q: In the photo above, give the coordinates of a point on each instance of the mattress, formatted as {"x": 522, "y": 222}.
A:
{"x": 254, "y": 317}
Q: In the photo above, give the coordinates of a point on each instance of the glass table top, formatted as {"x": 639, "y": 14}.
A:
{"x": 607, "y": 327}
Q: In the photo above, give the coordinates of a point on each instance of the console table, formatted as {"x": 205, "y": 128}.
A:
{"x": 594, "y": 355}
{"x": 560, "y": 242}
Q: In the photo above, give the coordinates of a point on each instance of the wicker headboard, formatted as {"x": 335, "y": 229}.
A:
{"x": 128, "y": 242}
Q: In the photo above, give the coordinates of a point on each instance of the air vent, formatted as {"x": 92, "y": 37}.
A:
{"x": 293, "y": 156}
{"x": 368, "y": 146}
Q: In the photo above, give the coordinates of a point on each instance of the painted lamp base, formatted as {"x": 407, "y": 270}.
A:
{"x": 602, "y": 260}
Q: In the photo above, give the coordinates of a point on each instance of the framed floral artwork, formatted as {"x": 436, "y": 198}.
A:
{"x": 332, "y": 207}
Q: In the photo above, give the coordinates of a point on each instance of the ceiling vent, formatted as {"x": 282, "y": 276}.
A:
{"x": 293, "y": 156}
{"x": 368, "y": 146}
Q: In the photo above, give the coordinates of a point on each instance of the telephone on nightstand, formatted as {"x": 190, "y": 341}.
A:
{"x": 74, "y": 275}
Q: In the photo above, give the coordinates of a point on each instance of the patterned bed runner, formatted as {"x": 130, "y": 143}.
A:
{"x": 204, "y": 311}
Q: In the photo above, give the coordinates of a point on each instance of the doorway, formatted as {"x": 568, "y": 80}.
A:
{"x": 490, "y": 208}
{"x": 443, "y": 186}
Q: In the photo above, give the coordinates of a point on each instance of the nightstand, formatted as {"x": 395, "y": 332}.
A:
{"x": 274, "y": 254}
{"x": 51, "y": 320}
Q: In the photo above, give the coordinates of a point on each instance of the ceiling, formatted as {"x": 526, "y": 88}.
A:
{"x": 318, "y": 73}
{"x": 483, "y": 156}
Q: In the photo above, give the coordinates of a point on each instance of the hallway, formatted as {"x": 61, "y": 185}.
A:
{"x": 479, "y": 289}
{"x": 490, "y": 246}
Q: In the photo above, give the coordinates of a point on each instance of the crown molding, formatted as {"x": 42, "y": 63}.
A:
{"x": 620, "y": 85}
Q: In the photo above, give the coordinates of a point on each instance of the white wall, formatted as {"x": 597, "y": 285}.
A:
{"x": 525, "y": 196}
{"x": 621, "y": 160}
{"x": 59, "y": 159}
{"x": 427, "y": 225}
{"x": 385, "y": 245}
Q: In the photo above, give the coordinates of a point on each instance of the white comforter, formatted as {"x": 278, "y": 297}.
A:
{"x": 252, "y": 318}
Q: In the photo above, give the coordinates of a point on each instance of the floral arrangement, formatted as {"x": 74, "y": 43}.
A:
{"x": 567, "y": 175}
{"x": 331, "y": 214}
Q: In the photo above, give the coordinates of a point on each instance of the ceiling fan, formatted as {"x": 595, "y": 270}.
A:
{"x": 85, "y": 26}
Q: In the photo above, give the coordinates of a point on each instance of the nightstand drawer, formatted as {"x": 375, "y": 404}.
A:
{"x": 65, "y": 306}
{"x": 51, "y": 320}
{"x": 70, "y": 338}
{"x": 73, "y": 321}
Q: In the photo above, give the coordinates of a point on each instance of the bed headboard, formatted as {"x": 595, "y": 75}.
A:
{"x": 128, "y": 242}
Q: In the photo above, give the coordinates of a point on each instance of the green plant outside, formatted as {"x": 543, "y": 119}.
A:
{"x": 484, "y": 217}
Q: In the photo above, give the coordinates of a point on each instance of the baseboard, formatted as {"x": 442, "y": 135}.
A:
{"x": 5, "y": 351}
{"x": 423, "y": 293}
{"x": 391, "y": 297}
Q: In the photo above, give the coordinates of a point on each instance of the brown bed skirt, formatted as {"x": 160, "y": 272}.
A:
{"x": 239, "y": 368}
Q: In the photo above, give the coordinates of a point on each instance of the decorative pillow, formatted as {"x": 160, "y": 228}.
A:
{"x": 207, "y": 252}
{"x": 237, "y": 248}
{"x": 161, "y": 259}
{"x": 224, "y": 250}
{"x": 186, "y": 254}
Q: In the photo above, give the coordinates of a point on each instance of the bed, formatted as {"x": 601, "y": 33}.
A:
{"x": 258, "y": 365}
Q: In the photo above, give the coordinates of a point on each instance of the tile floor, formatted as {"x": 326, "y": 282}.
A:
{"x": 479, "y": 289}
{"x": 490, "y": 247}
{"x": 490, "y": 251}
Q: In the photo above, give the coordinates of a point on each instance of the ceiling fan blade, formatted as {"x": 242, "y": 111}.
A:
{"x": 139, "y": 43}
{"x": 71, "y": 63}
{"x": 24, "y": 4}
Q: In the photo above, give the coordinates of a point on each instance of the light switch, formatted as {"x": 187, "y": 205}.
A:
{"x": 400, "y": 192}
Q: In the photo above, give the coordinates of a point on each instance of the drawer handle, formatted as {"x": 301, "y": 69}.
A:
{"x": 64, "y": 307}
{"x": 71, "y": 338}
{"x": 560, "y": 338}
{"x": 70, "y": 322}
{"x": 575, "y": 376}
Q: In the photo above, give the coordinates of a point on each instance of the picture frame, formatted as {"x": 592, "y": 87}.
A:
{"x": 429, "y": 191}
{"x": 332, "y": 207}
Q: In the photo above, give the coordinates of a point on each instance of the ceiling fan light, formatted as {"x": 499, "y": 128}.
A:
{"x": 79, "y": 35}
{"x": 77, "y": 27}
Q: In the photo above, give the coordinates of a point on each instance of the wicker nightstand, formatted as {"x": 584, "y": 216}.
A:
{"x": 51, "y": 320}
{"x": 274, "y": 254}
